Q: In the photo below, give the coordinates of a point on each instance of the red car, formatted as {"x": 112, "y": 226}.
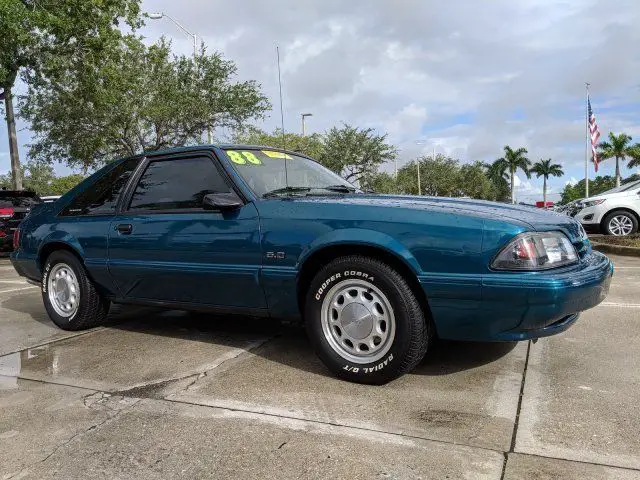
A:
{"x": 14, "y": 206}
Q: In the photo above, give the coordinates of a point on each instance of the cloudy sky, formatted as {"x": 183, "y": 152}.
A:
{"x": 465, "y": 77}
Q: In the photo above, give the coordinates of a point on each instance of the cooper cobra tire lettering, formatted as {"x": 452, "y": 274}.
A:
{"x": 346, "y": 273}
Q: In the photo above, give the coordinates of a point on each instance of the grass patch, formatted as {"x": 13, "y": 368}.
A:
{"x": 628, "y": 241}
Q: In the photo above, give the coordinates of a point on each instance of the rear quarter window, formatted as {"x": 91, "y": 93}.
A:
{"x": 101, "y": 197}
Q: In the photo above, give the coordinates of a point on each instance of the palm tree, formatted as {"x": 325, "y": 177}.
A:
{"x": 545, "y": 169}
{"x": 511, "y": 162}
{"x": 634, "y": 153}
{"x": 619, "y": 147}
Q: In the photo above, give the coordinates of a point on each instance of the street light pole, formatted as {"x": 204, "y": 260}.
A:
{"x": 303, "y": 116}
{"x": 160, "y": 15}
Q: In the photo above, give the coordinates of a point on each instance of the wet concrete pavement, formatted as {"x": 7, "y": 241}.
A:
{"x": 172, "y": 395}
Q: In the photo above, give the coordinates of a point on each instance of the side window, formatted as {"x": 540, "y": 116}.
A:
{"x": 177, "y": 184}
{"x": 101, "y": 197}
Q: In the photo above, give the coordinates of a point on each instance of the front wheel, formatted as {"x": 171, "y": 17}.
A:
{"x": 364, "y": 321}
{"x": 69, "y": 296}
{"x": 620, "y": 223}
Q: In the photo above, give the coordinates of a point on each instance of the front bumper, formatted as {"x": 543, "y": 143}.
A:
{"x": 590, "y": 216}
{"x": 522, "y": 306}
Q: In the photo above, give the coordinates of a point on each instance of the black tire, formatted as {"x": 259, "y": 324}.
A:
{"x": 619, "y": 213}
{"x": 412, "y": 330}
{"x": 92, "y": 307}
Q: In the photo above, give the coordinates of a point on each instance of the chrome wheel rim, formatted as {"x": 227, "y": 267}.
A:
{"x": 620, "y": 225}
{"x": 64, "y": 290}
{"x": 358, "y": 321}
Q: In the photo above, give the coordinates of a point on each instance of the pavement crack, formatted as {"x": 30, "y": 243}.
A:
{"x": 110, "y": 415}
{"x": 516, "y": 422}
{"x": 282, "y": 445}
{"x": 233, "y": 355}
{"x": 520, "y": 397}
{"x": 153, "y": 389}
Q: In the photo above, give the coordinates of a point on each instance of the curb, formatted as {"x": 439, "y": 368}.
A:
{"x": 616, "y": 249}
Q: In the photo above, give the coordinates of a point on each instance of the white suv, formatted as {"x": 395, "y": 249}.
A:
{"x": 615, "y": 212}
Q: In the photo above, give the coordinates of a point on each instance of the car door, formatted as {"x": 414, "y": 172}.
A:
{"x": 164, "y": 246}
{"x": 86, "y": 219}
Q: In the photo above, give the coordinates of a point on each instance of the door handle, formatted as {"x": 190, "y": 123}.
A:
{"x": 124, "y": 228}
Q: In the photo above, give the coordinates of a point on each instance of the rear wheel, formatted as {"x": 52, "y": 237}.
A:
{"x": 364, "y": 321}
{"x": 69, "y": 296}
{"x": 620, "y": 223}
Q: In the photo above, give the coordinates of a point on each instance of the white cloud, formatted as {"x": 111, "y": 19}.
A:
{"x": 470, "y": 79}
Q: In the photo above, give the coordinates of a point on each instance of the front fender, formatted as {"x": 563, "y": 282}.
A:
{"x": 360, "y": 236}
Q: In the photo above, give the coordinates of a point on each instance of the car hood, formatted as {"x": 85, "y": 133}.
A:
{"x": 605, "y": 196}
{"x": 534, "y": 218}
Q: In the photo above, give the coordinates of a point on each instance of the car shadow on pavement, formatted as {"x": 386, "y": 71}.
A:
{"x": 289, "y": 345}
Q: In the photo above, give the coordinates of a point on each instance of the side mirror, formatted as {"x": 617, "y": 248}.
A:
{"x": 223, "y": 202}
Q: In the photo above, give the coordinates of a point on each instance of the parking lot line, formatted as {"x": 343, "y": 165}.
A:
{"x": 622, "y": 305}
{"x": 14, "y": 281}
{"x": 17, "y": 289}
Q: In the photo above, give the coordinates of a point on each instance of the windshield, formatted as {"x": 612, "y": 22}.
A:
{"x": 263, "y": 171}
{"x": 622, "y": 188}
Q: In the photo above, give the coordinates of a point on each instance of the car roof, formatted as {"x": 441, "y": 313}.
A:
{"x": 223, "y": 146}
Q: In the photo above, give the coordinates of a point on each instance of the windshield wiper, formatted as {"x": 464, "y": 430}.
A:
{"x": 339, "y": 188}
{"x": 288, "y": 189}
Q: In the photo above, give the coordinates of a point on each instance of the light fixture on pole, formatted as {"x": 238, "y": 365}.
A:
{"x": 159, "y": 16}
{"x": 303, "y": 116}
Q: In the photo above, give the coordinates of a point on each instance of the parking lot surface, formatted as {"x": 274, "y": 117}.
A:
{"x": 158, "y": 394}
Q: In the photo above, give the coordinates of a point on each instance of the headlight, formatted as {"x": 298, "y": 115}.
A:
{"x": 592, "y": 203}
{"x": 536, "y": 251}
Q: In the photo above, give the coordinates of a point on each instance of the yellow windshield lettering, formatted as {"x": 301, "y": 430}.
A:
{"x": 236, "y": 157}
{"x": 272, "y": 154}
{"x": 251, "y": 158}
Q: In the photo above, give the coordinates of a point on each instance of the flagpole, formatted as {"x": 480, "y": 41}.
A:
{"x": 586, "y": 144}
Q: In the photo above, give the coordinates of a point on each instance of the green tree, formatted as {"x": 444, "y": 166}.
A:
{"x": 545, "y": 169}
{"x": 383, "y": 182}
{"x": 474, "y": 183}
{"x": 511, "y": 162}
{"x": 619, "y": 147}
{"x": 634, "y": 153}
{"x": 61, "y": 185}
{"x": 597, "y": 185}
{"x": 137, "y": 98}
{"x": 39, "y": 37}
{"x": 311, "y": 145}
{"x": 38, "y": 177}
{"x": 497, "y": 177}
{"x": 355, "y": 153}
{"x": 439, "y": 176}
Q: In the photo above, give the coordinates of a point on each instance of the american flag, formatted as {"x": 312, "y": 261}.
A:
{"x": 594, "y": 133}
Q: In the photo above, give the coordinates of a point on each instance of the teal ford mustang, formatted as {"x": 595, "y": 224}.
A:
{"x": 266, "y": 232}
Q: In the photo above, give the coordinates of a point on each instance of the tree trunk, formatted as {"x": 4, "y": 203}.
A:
{"x": 16, "y": 175}
{"x": 513, "y": 191}
{"x": 617, "y": 171}
{"x": 544, "y": 192}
